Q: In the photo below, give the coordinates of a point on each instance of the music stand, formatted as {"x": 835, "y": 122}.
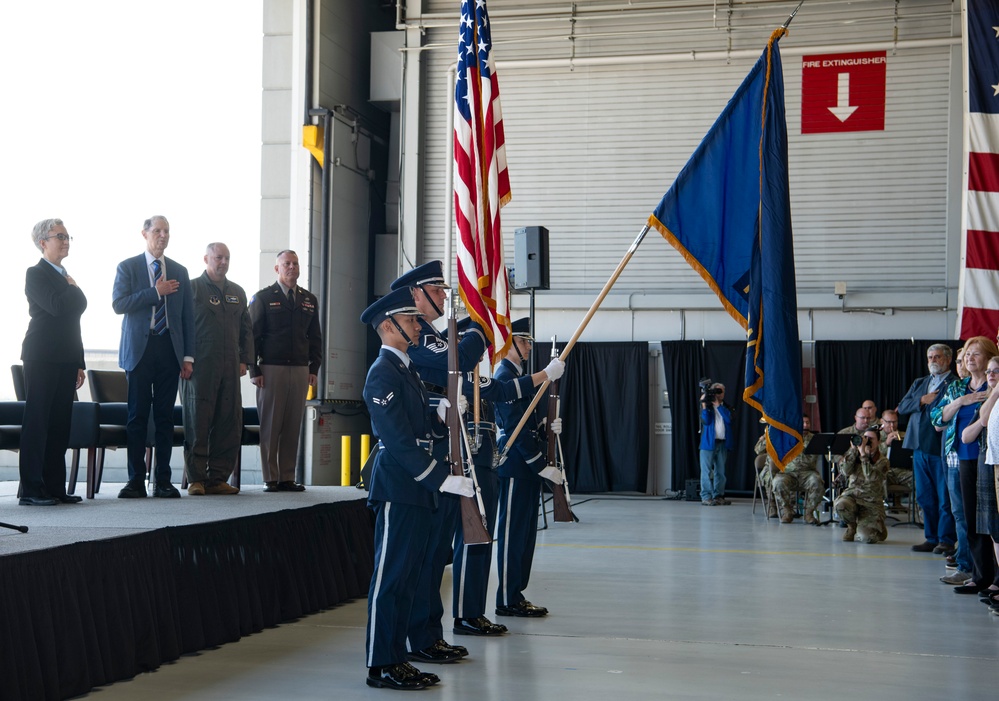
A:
{"x": 899, "y": 457}
{"x": 827, "y": 445}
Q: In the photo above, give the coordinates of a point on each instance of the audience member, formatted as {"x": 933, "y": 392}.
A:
{"x": 954, "y": 413}
{"x": 923, "y": 439}
{"x": 987, "y": 514}
{"x": 800, "y": 475}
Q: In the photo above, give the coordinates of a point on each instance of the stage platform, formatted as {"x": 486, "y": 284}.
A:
{"x": 103, "y": 590}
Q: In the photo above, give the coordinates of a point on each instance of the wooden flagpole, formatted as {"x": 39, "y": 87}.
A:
{"x": 575, "y": 336}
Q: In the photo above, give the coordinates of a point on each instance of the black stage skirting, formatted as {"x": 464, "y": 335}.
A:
{"x": 88, "y": 614}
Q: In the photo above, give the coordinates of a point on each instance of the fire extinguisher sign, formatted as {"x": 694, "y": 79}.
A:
{"x": 843, "y": 92}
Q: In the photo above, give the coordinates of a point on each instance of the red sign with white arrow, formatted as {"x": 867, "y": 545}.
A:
{"x": 843, "y": 92}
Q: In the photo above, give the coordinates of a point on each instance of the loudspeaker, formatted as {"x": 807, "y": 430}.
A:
{"x": 693, "y": 489}
{"x": 530, "y": 258}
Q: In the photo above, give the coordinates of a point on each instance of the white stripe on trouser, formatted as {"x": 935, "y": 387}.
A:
{"x": 461, "y": 580}
{"x": 379, "y": 569}
{"x": 503, "y": 584}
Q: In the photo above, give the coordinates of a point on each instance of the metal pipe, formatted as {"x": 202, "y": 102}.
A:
{"x": 449, "y": 176}
{"x": 325, "y": 233}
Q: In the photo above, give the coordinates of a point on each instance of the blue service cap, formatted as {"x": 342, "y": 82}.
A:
{"x": 431, "y": 273}
{"x": 522, "y": 327}
{"x": 396, "y": 302}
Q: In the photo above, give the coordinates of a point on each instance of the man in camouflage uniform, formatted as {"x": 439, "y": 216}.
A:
{"x": 891, "y": 436}
{"x": 862, "y": 504}
{"x": 800, "y": 475}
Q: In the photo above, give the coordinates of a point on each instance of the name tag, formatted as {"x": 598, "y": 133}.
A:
{"x": 232, "y": 299}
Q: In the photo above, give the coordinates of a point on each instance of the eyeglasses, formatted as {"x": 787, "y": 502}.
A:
{"x": 992, "y": 371}
{"x": 61, "y": 237}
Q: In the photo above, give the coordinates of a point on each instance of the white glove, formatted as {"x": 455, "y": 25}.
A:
{"x": 462, "y": 404}
{"x": 553, "y": 474}
{"x": 462, "y": 486}
{"x": 442, "y": 409}
{"x": 556, "y": 427}
{"x": 554, "y": 369}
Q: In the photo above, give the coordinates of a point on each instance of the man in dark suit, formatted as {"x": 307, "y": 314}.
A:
{"x": 923, "y": 439}
{"x": 157, "y": 349}
{"x": 53, "y": 367}
{"x": 288, "y": 350}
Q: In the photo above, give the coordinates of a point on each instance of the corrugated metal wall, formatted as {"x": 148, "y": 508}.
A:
{"x": 591, "y": 149}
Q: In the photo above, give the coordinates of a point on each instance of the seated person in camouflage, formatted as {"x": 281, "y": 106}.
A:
{"x": 801, "y": 475}
{"x": 891, "y": 436}
{"x": 862, "y": 504}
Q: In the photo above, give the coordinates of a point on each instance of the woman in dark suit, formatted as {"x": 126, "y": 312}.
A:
{"x": 52, "y": 354}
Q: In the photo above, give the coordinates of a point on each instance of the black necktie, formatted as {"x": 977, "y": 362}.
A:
{"x": 291, "y": 297}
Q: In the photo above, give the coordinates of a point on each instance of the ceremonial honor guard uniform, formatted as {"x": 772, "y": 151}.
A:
{"x": 520, "y": 492}
{"x": 404, "y": 485}
{"x": 425, "y": 639}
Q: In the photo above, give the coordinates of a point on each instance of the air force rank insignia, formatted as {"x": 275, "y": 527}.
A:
{"x": 383, "y": 402}
{"x": 434, "y": 344}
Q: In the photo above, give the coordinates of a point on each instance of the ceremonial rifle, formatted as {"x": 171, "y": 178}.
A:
{"x": 560, "y": 503}
{"x": 473, "y": 518}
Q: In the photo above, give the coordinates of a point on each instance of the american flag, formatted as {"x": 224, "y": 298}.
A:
{"x": 978, "y": 298}
{"x": 481, "y": 182}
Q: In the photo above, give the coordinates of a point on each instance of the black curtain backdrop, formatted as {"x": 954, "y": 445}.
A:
{"x": 848, "y": 372}
{"x": 605, "y": 409}
{"x": 85, "y": 615}
{"x": 686, "y": 363}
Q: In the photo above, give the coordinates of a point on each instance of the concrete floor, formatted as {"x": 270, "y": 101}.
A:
{"x": 659, "y": 599}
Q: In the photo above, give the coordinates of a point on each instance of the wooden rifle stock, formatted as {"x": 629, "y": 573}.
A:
{"x": 560, "y": 504}
{"x": 473, "y": 521}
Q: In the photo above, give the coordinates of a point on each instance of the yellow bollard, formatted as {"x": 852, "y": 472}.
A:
{"x": 365, "y": 448}
{"x": 345, "y": 461}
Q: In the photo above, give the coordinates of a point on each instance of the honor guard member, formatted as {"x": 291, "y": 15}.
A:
{"x": 426, "y": 637}
{"x": 288, "y": 345}
{"x": 213, "y": 406}
{"x": 403, "y": 490}
{"x": 471, "y": 563}
{"x": 520, "y": 484}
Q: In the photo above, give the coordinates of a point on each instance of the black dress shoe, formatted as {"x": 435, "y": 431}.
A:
{"x": 523, "y": 609}
{"x": 271, "y": 487}
{"x": 924, "y": 547}
{"x": 165, "y": 490}
{"x": 448, "y": 647}
{"x": 69, "y": 499}
{"x": 133, "y": 490}
{"x": 434, "y": 654}
{"x": 969, "y": 588}
{"x": 427, "y": 678}
{"x": 477, "y": 626}
{"x": 37, "y": 501}
{"x": 395, "y": 676}
{"x": 290, "y": 487}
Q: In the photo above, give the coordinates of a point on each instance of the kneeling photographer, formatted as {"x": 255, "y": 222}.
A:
{"x": 716, "y": 441}
{"x": 861, "y": 506}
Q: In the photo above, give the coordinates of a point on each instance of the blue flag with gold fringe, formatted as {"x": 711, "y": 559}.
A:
{"x": 729, "y": 214}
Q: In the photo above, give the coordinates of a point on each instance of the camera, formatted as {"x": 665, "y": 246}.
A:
{"x": 857, "y": 440}
{"x": 707, "y": 390}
